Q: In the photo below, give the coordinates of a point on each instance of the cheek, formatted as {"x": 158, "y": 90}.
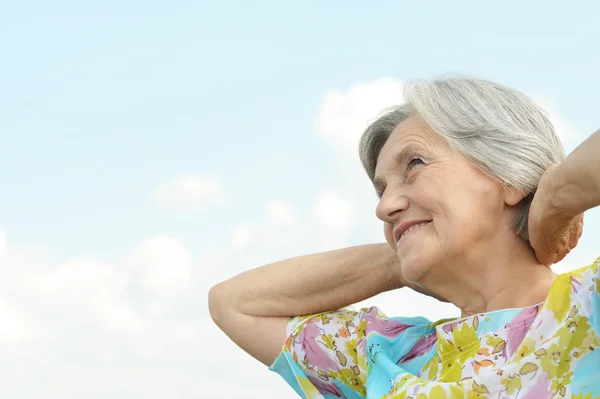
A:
{"x": 389, "y": 234}
{"x": 481, "y": 202}
{"x": 454, "y": 208}
{"x": 474, "y": 214}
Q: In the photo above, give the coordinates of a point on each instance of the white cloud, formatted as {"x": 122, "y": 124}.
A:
{"x": 16, "y": 330}
{"x": 61, "y": 318}
{"x": 163, "y": 265}
{"x": 335, "y": 216}
{"x": 92, "y": 287}
{"x": 190, "y": 192}
{"x": 82, "y": 279}
{"x": 242, "y": 236}
{"x": 280, "y": 213}
{"x": 343, "y": 115}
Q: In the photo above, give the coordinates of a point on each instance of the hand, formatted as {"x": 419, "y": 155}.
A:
{"x": 553, "y": 232}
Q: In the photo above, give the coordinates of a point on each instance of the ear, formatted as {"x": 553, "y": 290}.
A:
{"x": 512, "y": 196}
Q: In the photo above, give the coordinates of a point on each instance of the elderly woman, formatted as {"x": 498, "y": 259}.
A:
{"x": 477, "y": 200}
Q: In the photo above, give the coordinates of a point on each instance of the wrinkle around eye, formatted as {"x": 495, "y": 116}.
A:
{"x": 412, "y": 164}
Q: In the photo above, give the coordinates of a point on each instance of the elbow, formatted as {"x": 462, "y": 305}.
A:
{"x": 216, "y": 303}
{"x": 222, "y": 302}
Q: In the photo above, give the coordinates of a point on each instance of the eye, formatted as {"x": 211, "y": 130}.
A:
{"x": 379, "y": 194}
{"x": 415, "y": 161}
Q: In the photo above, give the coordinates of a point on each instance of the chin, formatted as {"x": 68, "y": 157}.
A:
{"x": 414, "y": 266}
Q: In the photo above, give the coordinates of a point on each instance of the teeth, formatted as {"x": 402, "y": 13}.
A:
{"x": 411, "y": 228}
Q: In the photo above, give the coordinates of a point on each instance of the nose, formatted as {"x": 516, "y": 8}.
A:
{"x": 391, "y": 205}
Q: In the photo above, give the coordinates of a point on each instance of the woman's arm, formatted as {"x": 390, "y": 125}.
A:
{"x": 253, "y": 308}
{"x": 577, "y": 178}
{"x": 566, "y": 190}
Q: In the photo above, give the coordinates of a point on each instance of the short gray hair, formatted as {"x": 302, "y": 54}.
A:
{"x": 500, "y": 129}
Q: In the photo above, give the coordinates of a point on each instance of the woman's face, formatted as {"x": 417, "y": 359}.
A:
{"x": 455, "y": 210}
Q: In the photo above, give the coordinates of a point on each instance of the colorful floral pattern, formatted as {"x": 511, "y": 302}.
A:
{"x": 544, "y": 351}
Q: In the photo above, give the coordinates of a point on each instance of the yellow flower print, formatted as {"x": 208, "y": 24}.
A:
{"x": 351, "y": 346}
{"x": 464, "y": 345}
{"x": 559, "y": 298}
{"x": 308, "y": 388}
{"x": 512, "y": 385}
{"x": 580, "y": 396}
{"x": 526, "y": 348}
{"x": 433, "y": 366}
{"x": 437, "y": 392}
{"x": 348, "y": 377}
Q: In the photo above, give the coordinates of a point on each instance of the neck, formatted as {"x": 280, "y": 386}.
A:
{"x": 503, "y": 276}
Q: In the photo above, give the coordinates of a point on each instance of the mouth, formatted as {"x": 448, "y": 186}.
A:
{"x": 407, "y": 228}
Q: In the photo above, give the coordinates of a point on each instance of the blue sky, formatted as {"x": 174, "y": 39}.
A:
{"x": 101, "y": 105}
{"x": 102, "y": 102}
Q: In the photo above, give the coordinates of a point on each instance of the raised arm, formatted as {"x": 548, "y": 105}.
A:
{"x": 253, "y": 308}
{"x": 577, "y": 179}
{"x": 566, "y": 190}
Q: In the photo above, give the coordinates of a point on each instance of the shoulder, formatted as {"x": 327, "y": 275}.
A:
{"x": 583, "y": 281}
{"x": 361, "y": 322}
{"x": 327, "y": 352}
{"x": 576, "y": 291}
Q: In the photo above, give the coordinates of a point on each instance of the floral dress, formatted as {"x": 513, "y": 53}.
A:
{"x": 549, "y": 350}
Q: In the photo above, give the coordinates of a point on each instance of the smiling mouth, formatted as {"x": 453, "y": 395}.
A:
{"x": 410, "y": 230}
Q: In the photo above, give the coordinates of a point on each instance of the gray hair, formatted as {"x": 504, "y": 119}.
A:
{"x": 500, "y": 129}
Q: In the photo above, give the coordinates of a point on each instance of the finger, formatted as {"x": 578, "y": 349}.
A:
{"x": 576, "y": 233}
{"x": 545, "y": 258}
{"x": 573, "y": 238}
{"x": 562, "y": 256}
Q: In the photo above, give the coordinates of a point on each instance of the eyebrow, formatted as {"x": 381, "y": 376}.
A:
{"x": 406, "y": 152}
